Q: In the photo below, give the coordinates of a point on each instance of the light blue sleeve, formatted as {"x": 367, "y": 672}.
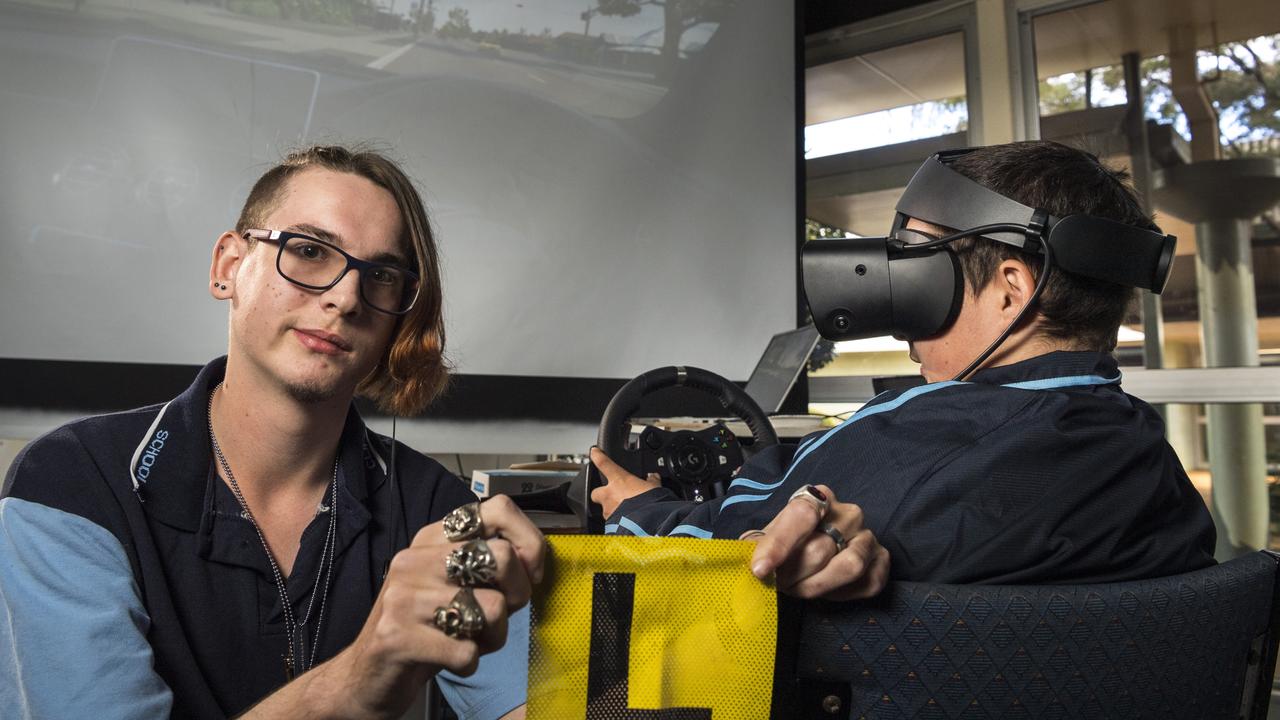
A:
{"x": 502, "y": 681}
{"x": 73, "y": 630}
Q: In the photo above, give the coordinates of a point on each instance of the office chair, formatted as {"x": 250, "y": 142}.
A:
{"x": 1199, "y": 645}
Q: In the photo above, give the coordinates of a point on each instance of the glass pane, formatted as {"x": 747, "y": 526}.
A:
{"x": 1081, "y": 90}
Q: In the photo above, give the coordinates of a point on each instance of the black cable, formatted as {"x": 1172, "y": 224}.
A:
{"x": 1035, "y": 295}
{"x": 398, "y": 518}
{"x": 980, "y": 230}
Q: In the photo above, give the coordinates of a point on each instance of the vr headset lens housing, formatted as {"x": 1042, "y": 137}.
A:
{"x": 856, "y": 288}
{"x": 867, "y": 287}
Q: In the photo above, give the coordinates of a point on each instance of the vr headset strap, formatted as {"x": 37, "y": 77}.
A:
{"x": 942, "y": 196}
{"x": 1093, "y": 247}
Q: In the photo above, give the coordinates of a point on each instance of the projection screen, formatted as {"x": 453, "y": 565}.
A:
{"x": 613, "y": 184}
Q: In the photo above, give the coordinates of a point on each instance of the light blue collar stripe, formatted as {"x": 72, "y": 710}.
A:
{"x": 753, "y": 485}
{"x": 868, "y": 412}
{"x": 1064, "y": 382}
{"x": 630, "y": 526}
{"x": 636, "y": 530}
{"x": 735, "y": 499}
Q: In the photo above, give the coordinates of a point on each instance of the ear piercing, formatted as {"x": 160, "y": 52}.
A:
{"x": 220, "y": 286}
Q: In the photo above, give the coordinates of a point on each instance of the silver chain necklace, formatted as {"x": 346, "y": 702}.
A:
{"x": 294, "y": 631}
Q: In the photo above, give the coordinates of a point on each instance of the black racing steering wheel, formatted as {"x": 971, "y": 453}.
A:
{"x": 696, "y": 465}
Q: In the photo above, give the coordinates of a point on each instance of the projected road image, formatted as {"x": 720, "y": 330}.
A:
{"x": 131, "y": 130}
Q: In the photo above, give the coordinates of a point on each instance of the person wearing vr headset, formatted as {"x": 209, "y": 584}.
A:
{"x": 250, "y": 548}
{"x": 1021, "y": 460}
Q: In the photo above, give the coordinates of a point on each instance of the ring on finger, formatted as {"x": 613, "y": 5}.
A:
{"x": 462, "y": 618}
{"x": 463, "y": 523}
{"x": 472, "y": 564}
{"x": 751, "y": 535}
{"x": 830, "y": 531}
{"x": 814, "y": 497}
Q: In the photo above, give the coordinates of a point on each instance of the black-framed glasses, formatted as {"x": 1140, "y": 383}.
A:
{"x": 318, "y": 265}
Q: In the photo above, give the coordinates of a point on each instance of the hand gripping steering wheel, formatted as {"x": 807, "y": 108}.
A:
{"x": 696, "y": 465}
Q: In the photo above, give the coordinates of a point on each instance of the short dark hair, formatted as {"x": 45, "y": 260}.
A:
{"x": 1065, "y": 181}
{"x": 413, "y": 370}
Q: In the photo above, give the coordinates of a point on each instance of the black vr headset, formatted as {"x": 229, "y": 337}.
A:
{"x": 909, "y": 284}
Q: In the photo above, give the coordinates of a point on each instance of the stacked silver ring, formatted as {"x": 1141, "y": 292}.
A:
{"x": 463, "y": 523}
{"x": 472, "y": 564}
{"x": 469, "y": 565}
{"x": 463, "y": 617}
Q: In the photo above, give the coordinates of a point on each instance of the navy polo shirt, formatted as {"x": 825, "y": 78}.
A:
{"x": 134, "y": 586}
{"x": 1035, "y": 472}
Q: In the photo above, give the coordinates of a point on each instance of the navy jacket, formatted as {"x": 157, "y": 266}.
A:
{"x": 1043, "y": 471}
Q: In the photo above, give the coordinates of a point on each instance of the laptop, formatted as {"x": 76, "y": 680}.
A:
{"x": 781, "y": 364}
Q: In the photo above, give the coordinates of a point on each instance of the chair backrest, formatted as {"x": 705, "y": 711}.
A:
{"x": 1199, "y": 645}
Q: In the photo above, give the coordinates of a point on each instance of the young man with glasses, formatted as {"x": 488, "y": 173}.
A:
{"x": 231, "y": 551}
{"x": 251, "y": 547}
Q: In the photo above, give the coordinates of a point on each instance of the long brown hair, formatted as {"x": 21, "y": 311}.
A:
{"x": 414, "y": 370}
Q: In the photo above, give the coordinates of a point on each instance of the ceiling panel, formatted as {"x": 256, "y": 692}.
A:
{"x": 1099, "y": 34}
{"x": 930, "y": 69}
